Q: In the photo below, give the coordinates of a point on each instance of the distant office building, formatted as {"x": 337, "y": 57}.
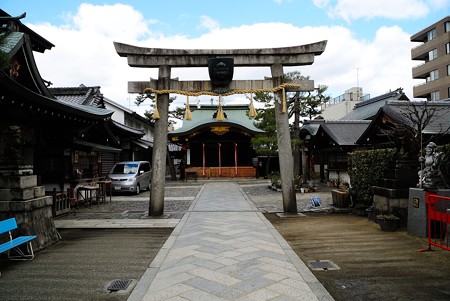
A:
{"x": 434, "y": 51}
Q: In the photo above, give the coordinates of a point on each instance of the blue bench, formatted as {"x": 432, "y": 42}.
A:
{"x": 15, "y": 243}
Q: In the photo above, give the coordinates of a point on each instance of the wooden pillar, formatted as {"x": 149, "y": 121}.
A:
{"x": 156, "y": 206}
{"x": 284, "y": 145}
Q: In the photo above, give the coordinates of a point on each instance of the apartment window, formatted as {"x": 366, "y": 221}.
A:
{"x": 447, "y": 26}
{"x": 434, "y": 75}
{"x": 431, "y": 34}
{"x": 448, "y": 69}
{"x": 435, "y": 95}
{"x": 432, "y": 55}
{"x": 447, "y": 48}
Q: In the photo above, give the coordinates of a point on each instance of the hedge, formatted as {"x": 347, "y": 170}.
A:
{"x": 365, "y": 168}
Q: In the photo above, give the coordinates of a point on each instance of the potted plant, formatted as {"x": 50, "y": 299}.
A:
{"x": 332, "y": 183}
{"x": 338, "y": 182}
{"x": 388, "y": 222}
{"x": 275, "y": 181}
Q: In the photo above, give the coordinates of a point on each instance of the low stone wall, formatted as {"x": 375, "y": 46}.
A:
{"x": 21, "y": 198}
{"x": 387, "y": 200}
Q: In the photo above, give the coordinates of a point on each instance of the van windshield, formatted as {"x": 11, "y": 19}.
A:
{"x": 124, "y": 169}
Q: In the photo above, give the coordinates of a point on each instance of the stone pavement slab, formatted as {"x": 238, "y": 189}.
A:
{"x": 115, "y": 223}
{"x": 225, "y": 249}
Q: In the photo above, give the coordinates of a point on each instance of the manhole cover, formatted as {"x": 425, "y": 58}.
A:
{"x": 323, "y": 265}
{"x": 118, "y": 285}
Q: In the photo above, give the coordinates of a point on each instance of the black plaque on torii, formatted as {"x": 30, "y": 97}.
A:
{"x": 220, "y": 73}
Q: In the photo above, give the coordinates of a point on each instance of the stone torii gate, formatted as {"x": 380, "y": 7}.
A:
{"x": 165, "y": 59}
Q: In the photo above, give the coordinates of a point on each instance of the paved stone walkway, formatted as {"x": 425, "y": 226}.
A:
{"x": 224, "y": 249}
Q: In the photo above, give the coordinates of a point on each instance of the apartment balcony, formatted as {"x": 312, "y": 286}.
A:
{"x": 420, "y": 52}
{"x": 424, "y": 89}
{"x": 423, "y": 70}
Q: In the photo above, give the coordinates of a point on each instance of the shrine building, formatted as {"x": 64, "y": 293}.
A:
{"x": 216, "y": 145}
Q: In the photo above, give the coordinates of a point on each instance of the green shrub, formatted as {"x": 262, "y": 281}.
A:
{"x": 364, "y": 169}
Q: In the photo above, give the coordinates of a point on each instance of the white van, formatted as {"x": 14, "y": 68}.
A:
{"x": 130, "y": 176}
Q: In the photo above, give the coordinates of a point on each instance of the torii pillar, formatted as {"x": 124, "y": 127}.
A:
{"x": 165, "y": 59}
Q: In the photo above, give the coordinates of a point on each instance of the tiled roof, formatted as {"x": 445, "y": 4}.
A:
{"x": 82, "y": 95}
{"x": 400, "y": 112}
{"x": 311, "y": 126}
{"x": 367, "y": 109}
{"x": 236, "y": 115}
{"x": 345, "y": 133}
{"x": 37, "y": 100}
{"x": 127, "y": 129}
{"x": 38, "y": 42}
{"x": 12, "y": 42}
{"x": 440, "y": 110}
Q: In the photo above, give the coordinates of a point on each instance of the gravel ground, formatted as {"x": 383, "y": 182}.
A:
{"x": 268, "y": 200}
{"x": 179, "y": 196}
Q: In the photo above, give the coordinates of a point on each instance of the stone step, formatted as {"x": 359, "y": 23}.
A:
{"x": 10, "y": 194}
{"x": 18, "y": 181}
{"x": 25, "y": 205}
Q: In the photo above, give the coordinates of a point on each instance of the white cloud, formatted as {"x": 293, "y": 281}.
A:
{"x": 350, "y": 10}
{"x": 84, "y": 53}
{"x": 321, "y": 3}
{"x": 208, "y": 23}
{"x": 118, "y": 20}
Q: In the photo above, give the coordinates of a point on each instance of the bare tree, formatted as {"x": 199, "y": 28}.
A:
{"x": 414, "y": 124}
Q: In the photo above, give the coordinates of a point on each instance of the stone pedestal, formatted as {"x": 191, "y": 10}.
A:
{"x": 417, "y": 212}
{"x": 20, "y": 197}
{"x": 392, "y": 192}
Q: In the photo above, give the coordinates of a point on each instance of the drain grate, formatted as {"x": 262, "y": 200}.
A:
{"x": 118, "y": 285}
{"x": 323, "y": 265}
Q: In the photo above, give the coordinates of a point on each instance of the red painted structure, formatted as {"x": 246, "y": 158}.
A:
{"x": 438, "y": 221}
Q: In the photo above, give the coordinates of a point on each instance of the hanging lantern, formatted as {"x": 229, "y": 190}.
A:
{"x": 187, "y": 111}
{"x": 252, "y": 112}
{"x": 155, "y": 115}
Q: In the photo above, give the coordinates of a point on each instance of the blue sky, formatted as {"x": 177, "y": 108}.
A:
{"x": 368, "y": 41}
{"x": 182, "y": 16}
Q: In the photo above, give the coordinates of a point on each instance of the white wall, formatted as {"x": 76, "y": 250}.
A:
{"x": 119, "y": 114}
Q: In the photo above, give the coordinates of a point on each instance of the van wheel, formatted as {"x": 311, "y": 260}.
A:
{"x": 138, "y": 189}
